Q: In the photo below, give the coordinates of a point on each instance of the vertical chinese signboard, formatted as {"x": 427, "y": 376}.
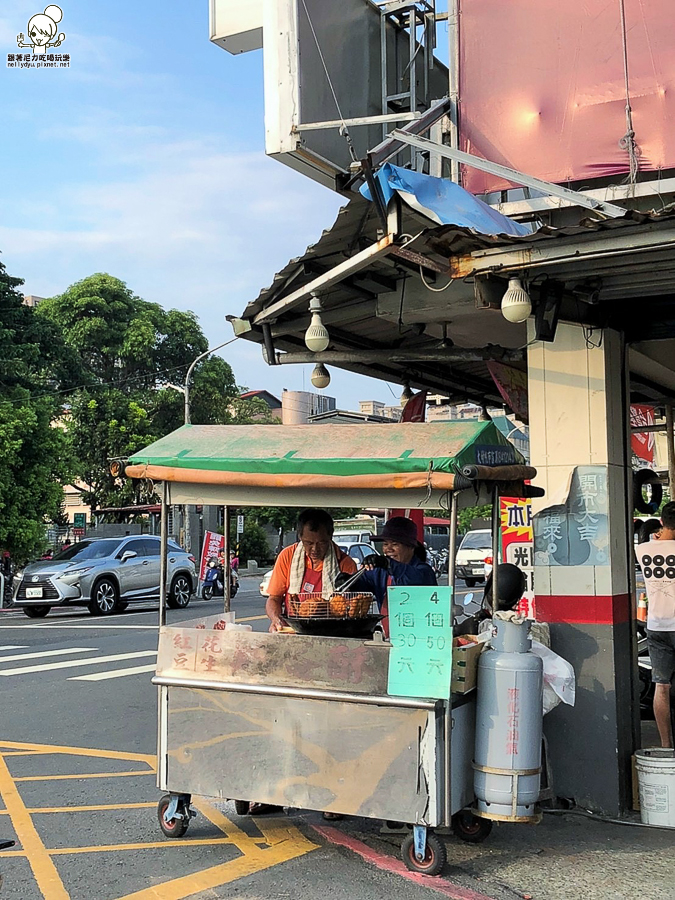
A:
{"x": 518, "y": 545}
{"x": 420, "y": 627}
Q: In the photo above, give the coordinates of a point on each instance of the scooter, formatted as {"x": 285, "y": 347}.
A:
{"x": 214, "y": 583}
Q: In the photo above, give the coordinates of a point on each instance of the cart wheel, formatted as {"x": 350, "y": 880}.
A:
{"x": 176, "y": 827}
{"x": 435, "y": 855}
{"x": 241, "y": 807}
{"x": 470, "y": 828}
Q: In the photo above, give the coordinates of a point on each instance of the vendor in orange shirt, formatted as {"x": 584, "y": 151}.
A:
{"x": 311, "y": 565}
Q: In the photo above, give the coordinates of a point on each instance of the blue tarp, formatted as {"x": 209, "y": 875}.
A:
{"x": 444, "y": 202}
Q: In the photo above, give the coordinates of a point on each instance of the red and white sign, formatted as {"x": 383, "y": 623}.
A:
{"x": 214, "y": 544}
{"x": 642, "y": 445}
{"x": 518, "y": 545}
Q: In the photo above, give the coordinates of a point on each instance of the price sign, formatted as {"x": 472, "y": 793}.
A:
{"x": 420, "y": 628}
{"x": 240, "y": 524}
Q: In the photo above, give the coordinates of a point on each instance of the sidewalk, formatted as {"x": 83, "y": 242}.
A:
{"x": 565, "y": 857}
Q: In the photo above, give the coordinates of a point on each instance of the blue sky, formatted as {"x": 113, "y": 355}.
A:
{"x": 146, "y": 160}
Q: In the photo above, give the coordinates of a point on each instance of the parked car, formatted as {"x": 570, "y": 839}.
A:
{"x": 470, "y": 563}
{"x": 104, "y": 575}
{"x": 358, "y": 550}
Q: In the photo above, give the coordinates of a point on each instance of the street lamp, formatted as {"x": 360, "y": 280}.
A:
{"x": 185, "y": 390}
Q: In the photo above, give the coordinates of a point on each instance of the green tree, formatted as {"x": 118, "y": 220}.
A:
{"x": 132, "y": 355}
{"x": 35, "y": 364}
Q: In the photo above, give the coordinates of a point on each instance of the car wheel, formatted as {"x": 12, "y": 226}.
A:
{"x": 36, "y": 612}
{"x": 121, "y": 606}
{"x": 179, "y": 595}
{"x": 470, "y": 582}
{"x": 104, "y": 598}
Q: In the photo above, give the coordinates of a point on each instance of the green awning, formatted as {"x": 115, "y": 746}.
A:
{"x": 396, "y": 455}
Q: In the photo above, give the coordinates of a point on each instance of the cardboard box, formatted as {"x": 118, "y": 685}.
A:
{"x": 465, "y": 665}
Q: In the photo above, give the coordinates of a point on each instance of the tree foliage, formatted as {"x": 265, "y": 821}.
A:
{"x": 35, "y": 364}
{"x": 134, "y": 357}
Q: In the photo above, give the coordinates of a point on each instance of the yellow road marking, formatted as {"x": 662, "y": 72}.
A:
{"x": 252, "y": 618}
{"x": 47, "y": 877}
{"x": 288, "y": 844}
{"x": 145, "y": 845}
{"x": 99, "y": 806}
{"x": 86, "y": 775}
{"x": 150, "y": 759}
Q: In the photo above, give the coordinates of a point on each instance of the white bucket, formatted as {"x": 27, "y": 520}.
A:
{"x": 656, "y": 780}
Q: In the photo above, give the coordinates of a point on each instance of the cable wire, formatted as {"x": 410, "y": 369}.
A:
{"x": 627, "y": 142}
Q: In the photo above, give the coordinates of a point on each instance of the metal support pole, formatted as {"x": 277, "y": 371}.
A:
{"x": 453, "y": 39}
{"x": 163, "y": 552}
{"x": 452, "y": 549}
{"x": 226, "y": 558}
{"x": 495, "y": 545}
{"x": 671, "y": 450}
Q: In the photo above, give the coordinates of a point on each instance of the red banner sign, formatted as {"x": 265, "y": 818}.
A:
{"x": 214, "y": 544}
{"x": 642, "y": 445}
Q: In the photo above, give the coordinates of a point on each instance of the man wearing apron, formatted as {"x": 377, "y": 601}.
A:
{"x": 311, "y": 565}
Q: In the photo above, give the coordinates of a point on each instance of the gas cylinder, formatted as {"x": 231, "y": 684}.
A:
{"x": 509, "y": 716}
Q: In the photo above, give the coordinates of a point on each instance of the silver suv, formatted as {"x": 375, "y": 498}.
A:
{"x": 105, "y": 575}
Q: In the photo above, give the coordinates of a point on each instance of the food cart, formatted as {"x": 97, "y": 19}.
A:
{"x": 310, "y": 721}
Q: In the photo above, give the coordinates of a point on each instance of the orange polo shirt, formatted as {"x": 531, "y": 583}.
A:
{"x": 281, "y": 574}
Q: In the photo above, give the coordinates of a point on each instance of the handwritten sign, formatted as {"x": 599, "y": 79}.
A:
{"x": 420, "y": 628}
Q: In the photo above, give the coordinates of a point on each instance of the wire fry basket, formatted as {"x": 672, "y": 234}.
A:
{"x": 338, "y": 605}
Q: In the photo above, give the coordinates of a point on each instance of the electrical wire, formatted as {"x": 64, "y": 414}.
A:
{"x": 627, "y": 142}
{"x": 430, "y": 287}
{"x": 100, "y": 384}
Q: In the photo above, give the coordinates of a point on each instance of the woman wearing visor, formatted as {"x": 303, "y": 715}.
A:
{"x": 402, "y": 562}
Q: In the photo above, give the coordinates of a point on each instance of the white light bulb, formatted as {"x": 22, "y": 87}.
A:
{"x": 316, "y": 336}
{"x": 516, "y": 303}
{"x": 320, "y": 376}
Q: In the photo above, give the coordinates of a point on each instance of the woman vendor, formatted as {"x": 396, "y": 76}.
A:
{"x": 402, "y": 562}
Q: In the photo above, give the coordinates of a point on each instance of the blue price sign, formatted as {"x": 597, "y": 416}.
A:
{"x": 420, "y": 629}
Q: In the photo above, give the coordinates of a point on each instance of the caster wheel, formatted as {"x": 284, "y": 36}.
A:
{"x": 241, "y": 807}
{"x": 175, "y": 828}
{"x": 435, "y": 855}
{"x": 470, "y": 828}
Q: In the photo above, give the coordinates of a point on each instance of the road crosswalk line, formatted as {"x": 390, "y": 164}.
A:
{"x": 44, "y": 653}
{"x": 14, "y": 647}
{"x": 72, "y": 663}
{"x": 114, "y": 673}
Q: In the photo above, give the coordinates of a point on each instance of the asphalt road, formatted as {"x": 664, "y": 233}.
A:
{"x": 77, "y": 746}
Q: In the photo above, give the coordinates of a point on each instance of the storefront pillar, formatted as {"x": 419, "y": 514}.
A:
{"x": 579, "y": 434}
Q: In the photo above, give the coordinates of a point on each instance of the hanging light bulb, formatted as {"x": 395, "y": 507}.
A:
{"x": 516, "y": 303}
{"x": 407, "y": 394}
{"x": 316, "y": 336}
{"x": 320, "y": 376}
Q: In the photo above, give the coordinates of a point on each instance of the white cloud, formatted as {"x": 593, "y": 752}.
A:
{"x": 189, "y": 227}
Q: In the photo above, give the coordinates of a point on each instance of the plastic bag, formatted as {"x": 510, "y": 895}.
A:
{"x": 559, "y": 678}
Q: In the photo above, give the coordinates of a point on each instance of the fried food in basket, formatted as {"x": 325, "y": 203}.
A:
{"x": 339, "y": 606}
{"x": 294, "y": 605}
{"x": 312, "y": 607}
{"x": 359, "y": 605}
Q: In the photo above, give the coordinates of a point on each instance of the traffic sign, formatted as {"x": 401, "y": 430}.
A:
{"x": 80, "y": 520}
{"x": 79, "y": 532}
{"x": 240, "y": 524}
